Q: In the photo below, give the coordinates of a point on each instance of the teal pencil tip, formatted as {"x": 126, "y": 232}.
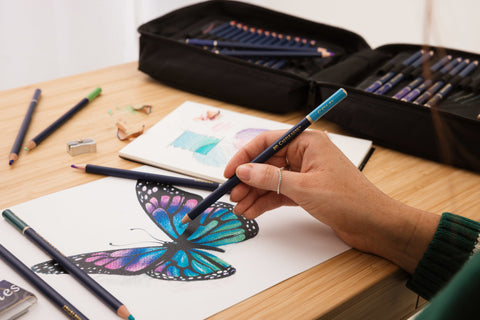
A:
{"x": 130, "y": 317}
{"x": 26, "y": 149}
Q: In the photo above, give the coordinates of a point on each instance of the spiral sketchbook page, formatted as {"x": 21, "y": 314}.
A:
{"x": 118, "y": 216}
{"x": 198, "y": 140}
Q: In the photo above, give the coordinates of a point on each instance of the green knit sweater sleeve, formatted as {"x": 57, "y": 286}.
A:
{"x": 454, "y": 242}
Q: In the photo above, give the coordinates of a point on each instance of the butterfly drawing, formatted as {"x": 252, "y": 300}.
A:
{"x": 187, "y": 256}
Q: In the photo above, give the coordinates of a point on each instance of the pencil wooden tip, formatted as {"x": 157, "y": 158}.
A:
{"x": 30, "y": 145}
{"x": 12, "y": 158}
{"x": 186, "y": 219}
{"x": 78, "y": 166}
{"x": 124, "y": 313}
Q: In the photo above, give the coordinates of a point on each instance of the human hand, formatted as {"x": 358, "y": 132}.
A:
{"x": 327, "y": 185}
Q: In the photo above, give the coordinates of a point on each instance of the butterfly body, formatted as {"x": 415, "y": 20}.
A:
{"x": 187, "y": 256}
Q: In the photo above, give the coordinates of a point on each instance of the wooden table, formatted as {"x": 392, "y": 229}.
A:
{"x": 352, "y": 285}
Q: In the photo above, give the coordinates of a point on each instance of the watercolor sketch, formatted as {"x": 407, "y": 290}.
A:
{"x": 197, "y": 140}
{"x": 186, "y": 257}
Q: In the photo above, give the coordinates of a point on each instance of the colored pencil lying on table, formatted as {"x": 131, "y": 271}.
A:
{"x": 291, "y": 134}
{"x": 60, "y": 121}
{"x": 56, "y": 298}
{"x": 24, "y": 127}
{"x": 68, "y": 265}
{"x": 137, "y": 175}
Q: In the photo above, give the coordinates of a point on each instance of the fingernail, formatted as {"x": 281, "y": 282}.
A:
{"x": 243, "y": 172}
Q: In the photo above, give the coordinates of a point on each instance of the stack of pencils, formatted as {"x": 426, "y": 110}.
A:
{"x": 267, "y": 48}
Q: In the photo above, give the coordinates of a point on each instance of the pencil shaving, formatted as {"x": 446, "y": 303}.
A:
{"x": 124, "y": 134}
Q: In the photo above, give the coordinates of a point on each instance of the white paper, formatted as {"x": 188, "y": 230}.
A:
{"x": 188, "y": 142}
{"x": 89, "y": 217}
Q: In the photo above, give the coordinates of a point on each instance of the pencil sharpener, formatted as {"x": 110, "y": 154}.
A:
{"x": 77, "y": 147}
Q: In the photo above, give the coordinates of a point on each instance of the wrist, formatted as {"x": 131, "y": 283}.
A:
{"x": 403, "y": 234}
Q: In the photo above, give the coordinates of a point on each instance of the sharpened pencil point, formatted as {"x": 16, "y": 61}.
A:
{"x": 73, "y": 166}
{"x": 186, "y": 219}
{"x": 130, "y": 317}
{"x": 10, "y": 162}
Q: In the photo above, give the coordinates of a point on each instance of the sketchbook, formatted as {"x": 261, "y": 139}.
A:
{"x": 198, "y": 140}
{"x": 154, "y": 269}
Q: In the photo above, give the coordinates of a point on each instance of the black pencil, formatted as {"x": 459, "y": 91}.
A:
{"x": 68, "y": 265}
{"x": 26, "y": 273}
{"x": 60, "y": 121}
{"x": 23, "y": 128}
{"x": 137, "y": 175}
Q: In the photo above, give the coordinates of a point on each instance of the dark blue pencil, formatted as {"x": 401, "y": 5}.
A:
{"x": 60, "y": 121}
{"x": 68, "y": 265}
{"x": 412, "y": 85}
{"x": 428, "y": 82}
{"x": 24, "y": 127}
{"x": 440, "y": 83}
{"x": 269, "y": 53}
{"x": 449, "y": 86}
{"x": 399, "y": 76}
{"x": 56, "y": 298}
{"x": 291, "y": 134}
{"x": 137, "y": 175}
{"x": 243, "y": 45}
{"x": 387, "y": 76}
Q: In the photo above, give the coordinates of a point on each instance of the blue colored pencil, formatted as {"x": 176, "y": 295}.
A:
{"x": 60, "y": 121}
{"x": 412, "y": 85}
{"x": 269, "y": 53}
{"x": 428, "y": 82}
{"x": 242, "y": 45}
{"x": 439, "y": 84}
{"x": 291, "y": 134}
{"x": 56, "y": 298}
{"x": 399, "y": 77}
{"x": 24, "y": 127}
{"x": 68, "y": 265}
{"x": 449, "y": 86}
{"x": 387, "y": 76}
{"x": 137, "y": 175}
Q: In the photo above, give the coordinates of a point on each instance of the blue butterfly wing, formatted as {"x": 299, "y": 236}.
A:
{"x": 216, "y": 226}
{"x": 191, "y": 265}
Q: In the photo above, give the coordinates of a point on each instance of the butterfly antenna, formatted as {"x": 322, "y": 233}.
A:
{"x": 141, "y": 229}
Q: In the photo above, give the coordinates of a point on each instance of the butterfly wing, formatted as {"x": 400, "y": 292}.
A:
{"x": 161, "y": 262}
{"x": 216, "y": 226}
{"x": 191, "y": 265}
{"x": 130, "y": 261}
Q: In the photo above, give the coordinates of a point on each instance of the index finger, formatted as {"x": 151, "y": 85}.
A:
{"x": 252, "y": 149}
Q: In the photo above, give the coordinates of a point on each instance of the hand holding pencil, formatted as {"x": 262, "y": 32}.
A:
{"x": 291, "y": 134}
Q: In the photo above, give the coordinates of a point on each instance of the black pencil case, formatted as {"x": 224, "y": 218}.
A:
{"x": 448, "y": 132}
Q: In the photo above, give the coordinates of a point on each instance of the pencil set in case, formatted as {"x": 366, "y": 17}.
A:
{"x": 259, "y": 58}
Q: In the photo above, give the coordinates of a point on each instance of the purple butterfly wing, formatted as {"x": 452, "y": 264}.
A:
{"x": 129, "y": 261}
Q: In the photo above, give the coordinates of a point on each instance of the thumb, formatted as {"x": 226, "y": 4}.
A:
{"x": 263, "y": 176}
